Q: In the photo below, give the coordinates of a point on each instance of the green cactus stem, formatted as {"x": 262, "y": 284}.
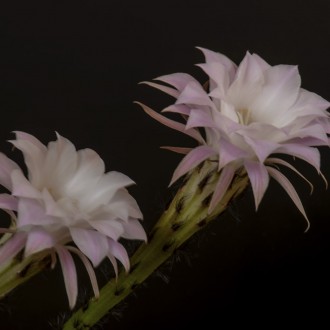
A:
{"x": 186, "y": 215}
{"x": 19, "y": 270}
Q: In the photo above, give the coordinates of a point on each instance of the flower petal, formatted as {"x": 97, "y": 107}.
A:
{"x": 111, "y": 228}
{"x": 288, "y": 187}
{"x": 134, "y": 230}
{"x": 8, "y": 202}
{"x": 119, "y": 252}
{"x": 308, "y": 154}
{"x": 259, "y": 179}
{"x": 31, "y": 212}
{"x": 225, "y": 179}
{"x": 191, "y": 160}
{"x": 89, "y": 269}
{"x": 178, "y": 80}
{"x": 69, "y": 274}
{"x": 93, "y": 244}
{"x": 179, "y": 150}
{"x": 171, "y": 123}
{"x": 38, "y": 240}
{"x": 22, "y": 187}
{"x": 7, "y": 166}
{"x": 12, "y": 246}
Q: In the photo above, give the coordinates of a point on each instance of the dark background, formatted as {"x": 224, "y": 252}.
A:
{"x": 74, "y": 67}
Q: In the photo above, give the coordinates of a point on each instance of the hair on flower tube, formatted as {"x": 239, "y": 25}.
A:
{"x": 67, "y": 196}
{"x": 248, "y": 113}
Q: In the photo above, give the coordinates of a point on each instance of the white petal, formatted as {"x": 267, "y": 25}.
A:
{"x": 7, "y": 166}
{"x": 33, "y": 156}
{"x": 22, "y": 187}
{"x": 93, "y": 244}
{"x": 109, "y": 227}
{"x": 134, "y": 230}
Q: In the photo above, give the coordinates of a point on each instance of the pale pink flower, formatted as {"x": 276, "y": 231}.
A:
{"x": 67, "y": 196}
{"x": 247, "y": 113}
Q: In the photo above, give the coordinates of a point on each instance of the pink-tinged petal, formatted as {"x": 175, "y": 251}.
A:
{"x": 12, "y": 246}
{"x": 194, "y": 94}
{"x": 69, "y": 274}
{"x": 31, "y": 212}
{"x": 259, "y": 179}
{"x": 284, "y": 163}
{"x": 211, "y": 56}
{"x": 315, "y": 131}
{"x": 8, "y": 202}
{"x": 114, "y": 264}
{"x": 172, "y": 124}
{"x": 111, "y": 228}
{"x": 178, "y": 108}
{"x": 191, "y": 160}
{"x": 7, "y": 166}
{"x": 200, "y": 118}
{"x": 308, "y": 154}
{"x": 261, "y": 148}
{"x": 119, "y": 252}
{"x": 93, "y": 244}
{"x": 38, "y": 240}
{"x": 168, "y": 90}
{"x": 134, "y": 230}
{"x": 221, "y": 187}
{"x": 178, "y": 150}
{"x": 219, "y": 78}
{"x": 22, "y": 187}
{"x": 229, "y": 152}
{"x": 288, "y": 187}
{"x": 178, "y": 80}
{"x": 89, "y": 269}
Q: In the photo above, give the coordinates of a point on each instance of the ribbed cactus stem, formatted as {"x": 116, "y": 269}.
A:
{"x": 18, "y": 271}
{"x": 186, "y": 215}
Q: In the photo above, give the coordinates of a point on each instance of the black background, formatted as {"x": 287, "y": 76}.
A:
{"x": 74, "y": 67}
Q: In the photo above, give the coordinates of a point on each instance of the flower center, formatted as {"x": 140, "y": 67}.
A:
{"x": 244, "y": 116}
